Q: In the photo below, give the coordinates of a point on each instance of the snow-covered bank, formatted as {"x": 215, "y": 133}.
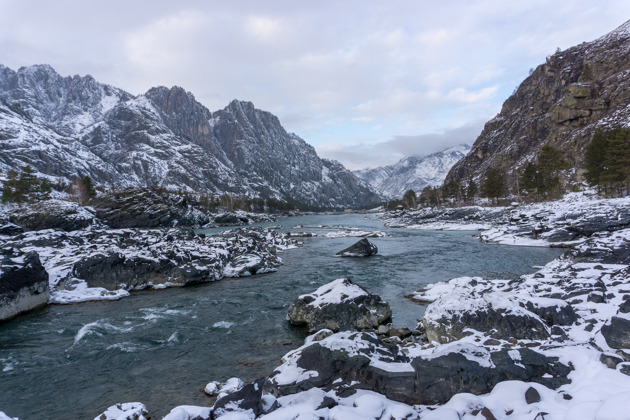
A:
{"x": 562, "y": 223}
{"x": 105, "y": 264}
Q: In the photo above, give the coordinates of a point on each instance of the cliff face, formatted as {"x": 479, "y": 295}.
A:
{"x": 560, "y": 104}
{"x": 75, "y": 126}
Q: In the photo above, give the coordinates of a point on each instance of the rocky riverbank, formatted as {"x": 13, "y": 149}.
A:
{"x": 548, "y": 345}
{"x": 81, "y": 258}
{"x": 561, "y": 223}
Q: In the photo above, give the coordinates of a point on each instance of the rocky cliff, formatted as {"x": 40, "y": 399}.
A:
{"x": 75, "y": 126}
{"x": 561, "y": 104}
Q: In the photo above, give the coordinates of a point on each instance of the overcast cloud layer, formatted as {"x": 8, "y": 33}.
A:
{"x": 365, "y": 82}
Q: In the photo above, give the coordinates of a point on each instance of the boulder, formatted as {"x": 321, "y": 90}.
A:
{"x": 617, "y": 332}
{"x": 452, "y": 316}
{"x": 363, "y": 248}
{"x": 347, "y": 360}
{"x": 23, "y": 283}
{"x": 230, "y": 219}
{"x": 339, "y": 305}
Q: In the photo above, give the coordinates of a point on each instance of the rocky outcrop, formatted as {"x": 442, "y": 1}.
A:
{"x": 362, "y": 248}
{"x": 23, "y": 283}
{"x": 339, "y": 305}
{"x": 560, "y": 104}
{"x": 133, "y": 208}
{"x": 52, "y": 214}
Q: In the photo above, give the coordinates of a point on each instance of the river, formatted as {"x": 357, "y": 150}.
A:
{"x": 161, "y": 347}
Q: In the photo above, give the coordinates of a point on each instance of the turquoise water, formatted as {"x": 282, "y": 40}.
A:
{"x": 162, "y": 347}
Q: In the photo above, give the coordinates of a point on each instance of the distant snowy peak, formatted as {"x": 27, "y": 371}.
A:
{"x": 413, "y": 172}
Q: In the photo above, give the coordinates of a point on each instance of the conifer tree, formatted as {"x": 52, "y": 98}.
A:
{"x": 616, "y": 172}
{"x": 492, "y": 187}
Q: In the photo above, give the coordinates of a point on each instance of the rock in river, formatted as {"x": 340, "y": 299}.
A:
{"x": 339, "y": 305}
{"x": 363, "y": 248}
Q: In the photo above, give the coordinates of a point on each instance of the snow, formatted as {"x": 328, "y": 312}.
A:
{"x": 335, "y": 292}
{"x": 124, "y": 411}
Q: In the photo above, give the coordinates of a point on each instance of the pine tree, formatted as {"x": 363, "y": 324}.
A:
{"x": 549, "y": 163}
{"x": 471, "y": 190}
{"x": 616, "y": 171}
{"x": 10, "y": 190}
{"x": 409, "y": 199}
{"x": 594, "y": 158}
{"x": 529, "y": 180}
{"x": 492, "y": 187}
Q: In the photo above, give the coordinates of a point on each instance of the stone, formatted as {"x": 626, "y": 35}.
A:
{"x": 339, "y": 305}
{"x": 610, "y": 360}
{"x": 617, "y": 332}
{"x": 451, "y": 317}
{"x": 23, "y": 283}
{"x": 362, "y": 248}
{"x": 249, "y": 397}
{"x": 531, "y": 395}
{"x": 230, "y": 219}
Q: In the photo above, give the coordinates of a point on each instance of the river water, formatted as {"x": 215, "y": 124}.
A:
{"x": 162, "y": 347}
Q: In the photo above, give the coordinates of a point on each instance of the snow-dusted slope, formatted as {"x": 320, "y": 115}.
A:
{"x": 74, "y": 126}
{"x": 414, "y": 172}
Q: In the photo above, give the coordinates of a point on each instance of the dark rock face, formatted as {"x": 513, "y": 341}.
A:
{"x": 617, "y": 333}
{"x": 163, "y": 138}
{"x": 362, "y": 248}
{"x": 339, "y": 305}
{"x": 560, "y": 104}
{"x": 23, "y": 283}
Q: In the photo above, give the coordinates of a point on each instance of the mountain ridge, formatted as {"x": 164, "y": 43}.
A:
{"x": 412, "y": 172}
{"x": 75, "y": 126}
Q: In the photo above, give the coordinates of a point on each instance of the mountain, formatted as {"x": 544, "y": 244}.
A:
{"x": 414, "y": 172}
{"x": 75, "y": 126}
{"x": 561, "y": 104}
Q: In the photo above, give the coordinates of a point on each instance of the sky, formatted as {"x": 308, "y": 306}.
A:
{"x": 364, "y": 82}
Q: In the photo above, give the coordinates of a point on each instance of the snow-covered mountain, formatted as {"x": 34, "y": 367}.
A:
{"x": 75, "y": 126}
{"x": 414, "y": 172}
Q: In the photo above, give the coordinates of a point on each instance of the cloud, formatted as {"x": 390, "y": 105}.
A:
{"x": 360, "y": 155}
{"x": 340, "y": 75}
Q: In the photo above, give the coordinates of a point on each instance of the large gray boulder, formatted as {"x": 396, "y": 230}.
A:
{"x": 23, "y": 283}
{"x": 453, "y": 316}
{"x": 347, "y": 360}
{"x": 339, "y": 305}
{"x": 617, "y": 331}
{"x": 362, "y": 248}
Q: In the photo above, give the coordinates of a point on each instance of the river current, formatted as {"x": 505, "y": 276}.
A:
{"x": 162, "y": 347}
